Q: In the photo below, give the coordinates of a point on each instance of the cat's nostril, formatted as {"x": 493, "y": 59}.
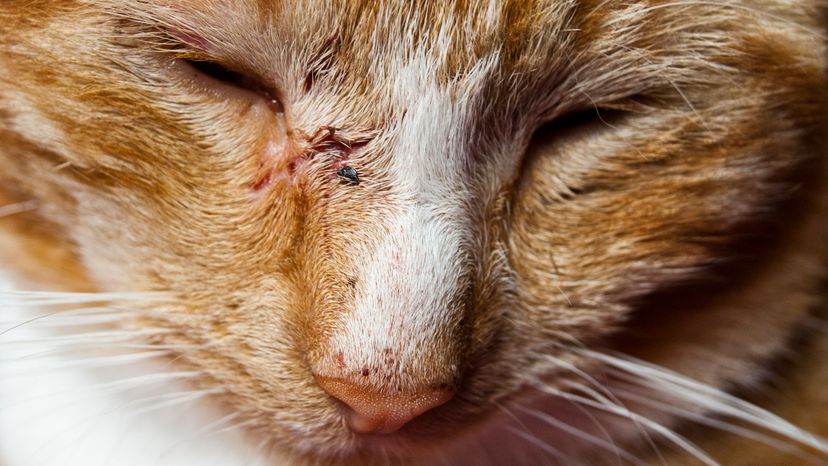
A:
{"x": 372, "y": 411}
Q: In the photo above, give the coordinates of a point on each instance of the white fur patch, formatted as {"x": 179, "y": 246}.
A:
{"x": 52, "y": 413}
{"x": 411, "y": 275}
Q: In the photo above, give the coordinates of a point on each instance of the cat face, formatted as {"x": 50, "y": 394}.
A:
{"x": 370, "y": 205}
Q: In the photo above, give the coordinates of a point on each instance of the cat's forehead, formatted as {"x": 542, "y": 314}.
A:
{"x": 516, "y": 63}
{"x": 457, "y": 31}
{"x": 366, "y": 46}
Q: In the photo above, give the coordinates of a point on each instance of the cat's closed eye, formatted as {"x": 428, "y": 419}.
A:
{"x": 213, "y": 75}
{"x": 223, "y": 74}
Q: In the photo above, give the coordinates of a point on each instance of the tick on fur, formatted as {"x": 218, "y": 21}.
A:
{"x": 348, "y": 175}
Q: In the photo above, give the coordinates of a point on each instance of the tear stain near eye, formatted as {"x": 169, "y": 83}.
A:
{"x": 271, "y": 171}
{"x": 265, "y": 167}
{"x": 262, "y": 183}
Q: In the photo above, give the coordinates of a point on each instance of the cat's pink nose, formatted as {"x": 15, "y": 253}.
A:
{"x": 372, "y": 411}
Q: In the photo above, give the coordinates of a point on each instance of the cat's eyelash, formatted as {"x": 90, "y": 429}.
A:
{"x": 214, "y": 73}
{"x": 220, "y": 72}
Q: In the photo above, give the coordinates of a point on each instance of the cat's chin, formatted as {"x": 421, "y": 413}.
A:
{"x": 533, "y": 425}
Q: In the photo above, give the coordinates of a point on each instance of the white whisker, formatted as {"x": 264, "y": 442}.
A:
{"x": 718, "y": 424}
{"x": 511, "y": 415}
{"x": 211, "y": 428}
{"x": 174, "y": 399}
{"x": 168, "y": 399}
{"x": 146, "y": 379}
{"x": 94, "y": 315}
{"x": 54, "y": 321}
{"x": 675, "y": 438}
{"x": 236, "y": 426}
{"x": 525, "y": 429}
{"x": 89, "y": 338}
{"x": 540, "y": 444}
{"x": 174, "y": 347}
{"x": 582, "y": 435}
{"x": 118, "y": 385}
{"x": 31, "y": 356}
{"x": 611, "y": 398}
{"x": 709, "y": 397}
{"x": 58, "y": 350}
{"x": 18, "y": 208}
{"x": 259, "y": 449}
{"x": 95, "y": 362}
{"x": 43, "y": 298}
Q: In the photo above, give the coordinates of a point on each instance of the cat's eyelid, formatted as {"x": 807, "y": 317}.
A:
{"x": 194, "y": 54}
{"x": 212, "y": 72}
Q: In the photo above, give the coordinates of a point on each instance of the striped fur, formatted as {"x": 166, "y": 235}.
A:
{"x": 537, "y": 179}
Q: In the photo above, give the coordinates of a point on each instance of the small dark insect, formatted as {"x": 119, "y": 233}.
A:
{"x": 348, "y": 175}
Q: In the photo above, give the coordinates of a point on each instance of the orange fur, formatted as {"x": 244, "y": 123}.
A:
{"x": 683, "y": 224}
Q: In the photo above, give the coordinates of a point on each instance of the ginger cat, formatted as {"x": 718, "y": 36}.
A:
{"x": 417, "y": 232}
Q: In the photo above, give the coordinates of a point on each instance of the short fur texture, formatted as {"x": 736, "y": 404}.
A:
{"x": 545, "y": 185}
